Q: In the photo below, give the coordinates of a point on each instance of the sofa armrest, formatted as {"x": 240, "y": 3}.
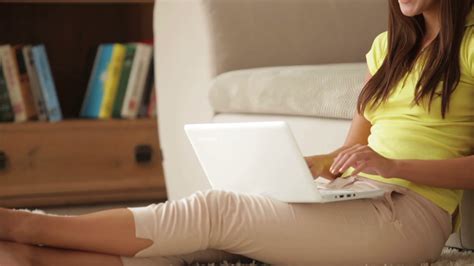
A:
{"x": 198, "y": 39}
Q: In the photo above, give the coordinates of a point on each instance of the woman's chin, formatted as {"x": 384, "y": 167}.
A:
{"x": 408, "y": 10}
{"x": 411, "y": 8}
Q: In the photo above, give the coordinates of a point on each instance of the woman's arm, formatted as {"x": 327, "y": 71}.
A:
{"x": 358, "y": 134}
{"x": 451, "y": 173}
{"x": 360, "y": 128}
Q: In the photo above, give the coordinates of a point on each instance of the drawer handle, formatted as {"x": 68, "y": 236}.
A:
{"x": 3, "y": 160}
{"x": 143, "y": 153}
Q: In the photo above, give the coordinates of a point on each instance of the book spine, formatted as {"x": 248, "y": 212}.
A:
{"x": 30, "y": 107}
{"x": 124, "y": 77}
{"x": 143, "y": 110}
{"x": 13, "y": 83}
{"x": 111, "y": 83}
{"x": 137, "y": 80}
{"x": 34, "y": 84}
{"x": 6, "y": 111}
{"x": 95, "y": 88}
{"x": 47, "y": 83}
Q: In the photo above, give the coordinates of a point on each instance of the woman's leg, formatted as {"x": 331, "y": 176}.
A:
{"x": 402, "y": 229}
{"x": 395, "y": 229}
{"x": 110, "y": 232}
{"x": 15, "y": 254}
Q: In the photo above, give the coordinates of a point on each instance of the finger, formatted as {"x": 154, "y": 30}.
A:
{"x": 351, "y": 148}
{"x": 359, "y": 168}
{"x": 344, "y": 156}
{"x": 354, "y": 158}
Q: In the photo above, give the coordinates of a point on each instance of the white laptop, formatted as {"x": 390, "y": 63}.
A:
{"x": 261, "y": 158}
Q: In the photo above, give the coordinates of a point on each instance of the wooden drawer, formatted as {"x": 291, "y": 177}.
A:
{"x": 79, "y": 161}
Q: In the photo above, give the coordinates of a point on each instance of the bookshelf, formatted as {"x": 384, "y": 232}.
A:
{"x": 77, "y": 161}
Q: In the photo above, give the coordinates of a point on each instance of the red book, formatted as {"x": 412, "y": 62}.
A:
{"x": 26, "y": 93}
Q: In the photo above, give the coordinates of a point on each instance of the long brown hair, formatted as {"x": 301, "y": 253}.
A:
{"x": 440, "y": 58}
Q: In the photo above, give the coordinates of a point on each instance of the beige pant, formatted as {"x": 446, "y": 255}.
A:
{"x": 402, "y": 227}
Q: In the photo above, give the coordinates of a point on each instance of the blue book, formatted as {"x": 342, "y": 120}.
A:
{"x": 95, "y": 88}
{"x": 47, "y": 83}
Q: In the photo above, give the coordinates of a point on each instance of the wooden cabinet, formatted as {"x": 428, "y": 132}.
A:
{"x": 80, "y": 161}
{"x": 77, "y": 161}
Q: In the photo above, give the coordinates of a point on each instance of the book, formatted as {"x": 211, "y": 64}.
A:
{"x": 34, "y": 83}
{"x": 10, "y": 73}
{"x": 152, "y": 106}
{"x": 111, "y": 83}
{"x": 143, "y": 109}
{"x": 6, "y": 111}
{"x": 46, "y": 81}
{"x": 26, "y": 93}
{"x": 124, "y": 77}
{"x": 95, "y": 88}
{"x": 136, "y": 82}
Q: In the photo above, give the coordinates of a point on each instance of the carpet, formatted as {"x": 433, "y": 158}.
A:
{"x": 449, "y": 257}
{"x": 454, "y": 257}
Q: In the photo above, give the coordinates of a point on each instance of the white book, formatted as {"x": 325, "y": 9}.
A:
{"x": 136, "y": 83}
{"x": 35, "y": 84}
{"x": 10, "y": 71}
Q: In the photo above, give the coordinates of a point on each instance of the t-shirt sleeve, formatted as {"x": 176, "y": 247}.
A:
{"x": 377, "y": 53}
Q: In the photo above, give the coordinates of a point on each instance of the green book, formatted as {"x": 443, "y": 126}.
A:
{"x": 123, "y": 83}
{"x": 6, "y": 112}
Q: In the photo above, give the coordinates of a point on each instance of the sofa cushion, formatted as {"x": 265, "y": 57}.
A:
{"x": 320, "y": 90}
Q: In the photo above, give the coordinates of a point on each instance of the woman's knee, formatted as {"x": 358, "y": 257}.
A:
{"x": 217, "y": 195}
{"x": 220, "y": 201}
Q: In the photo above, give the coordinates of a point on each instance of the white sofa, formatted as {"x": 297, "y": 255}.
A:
{"x": 198, "y": 40}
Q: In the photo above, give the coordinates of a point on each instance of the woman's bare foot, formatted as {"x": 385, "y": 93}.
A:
{"x": 14, "y": 254}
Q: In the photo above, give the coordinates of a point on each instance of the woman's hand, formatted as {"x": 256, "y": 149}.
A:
{"x": 319, "y": 165}
{"x": 363, "y": 159}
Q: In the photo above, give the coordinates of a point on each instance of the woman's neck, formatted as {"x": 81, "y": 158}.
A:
{"x": 432, "y": 23}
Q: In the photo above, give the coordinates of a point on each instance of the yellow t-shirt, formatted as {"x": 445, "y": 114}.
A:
{"x": 401, "y": 130}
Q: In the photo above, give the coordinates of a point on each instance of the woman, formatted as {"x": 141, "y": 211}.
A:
{"x": 412, "y": 136}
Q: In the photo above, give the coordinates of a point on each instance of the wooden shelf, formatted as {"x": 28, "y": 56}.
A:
{"x": 78, "y": 1}
{"x": 71, "y": 34}
{"x": 77, "y": 161}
